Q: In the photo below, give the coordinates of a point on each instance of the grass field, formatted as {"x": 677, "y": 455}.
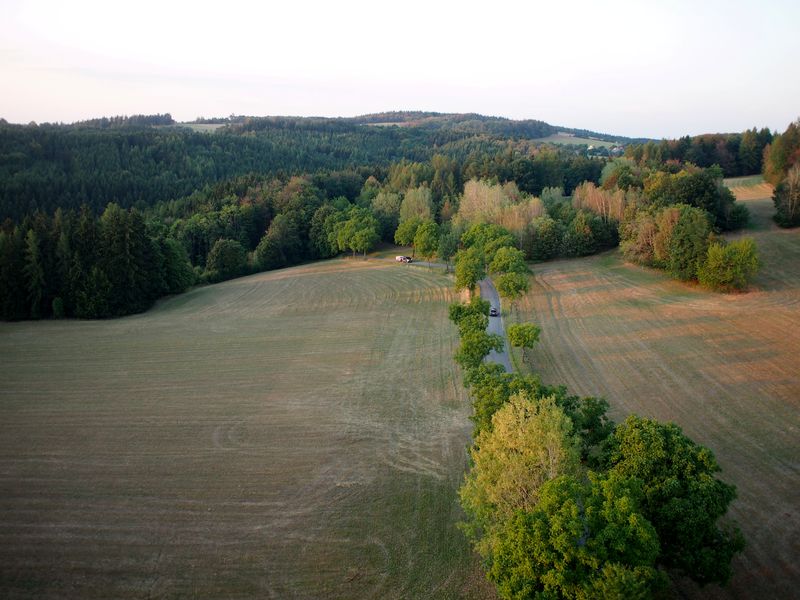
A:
{"x": 294, "y": 434}
{"x": 742, "y": 182}
{"x": 560, "y": 138}
{"x": 202, "y": 127}
{"x": 752, "y": 187}
{"x": 726, "y": 368}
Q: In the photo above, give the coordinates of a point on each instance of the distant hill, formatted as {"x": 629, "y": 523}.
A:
{"x": 140, "y": 160}
{"x": 461, "y": 123}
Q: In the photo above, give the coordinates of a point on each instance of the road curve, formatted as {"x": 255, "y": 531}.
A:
{"x": 496, "y": 325}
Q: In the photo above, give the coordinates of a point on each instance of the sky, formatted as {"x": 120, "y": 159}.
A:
{"x": 636, "y": 68}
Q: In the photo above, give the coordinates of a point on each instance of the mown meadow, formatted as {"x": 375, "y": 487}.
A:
{"x": 293, "y": 434}
{"x": 723, "y": 367}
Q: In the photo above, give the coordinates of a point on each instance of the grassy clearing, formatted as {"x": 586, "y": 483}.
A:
{"x": 202, "y": 127}
{"x": 293, "y": 434}
{"x": 752, "y": 187}
{"x": 726, "y": 368}
{"x": 746, "y": 181}
{"x": 560, "y": 138}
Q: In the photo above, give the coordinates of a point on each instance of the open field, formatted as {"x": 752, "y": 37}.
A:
{"x": 294, "y": 434}
{"x": 202, "y": 127}
{"x": 752, "y": 187}
{"x": 726, "y": 368}
{"x": 741, "y": 182}
{"x": 560, "y": 138}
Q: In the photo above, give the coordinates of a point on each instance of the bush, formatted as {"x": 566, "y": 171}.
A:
{"x": 729, "y": 267}
{"x": 738, "y": 217}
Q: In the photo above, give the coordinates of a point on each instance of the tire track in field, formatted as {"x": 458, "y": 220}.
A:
{"x": 579, "y": 360}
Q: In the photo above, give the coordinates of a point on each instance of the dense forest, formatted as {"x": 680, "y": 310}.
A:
{"x": 104, "y": 217}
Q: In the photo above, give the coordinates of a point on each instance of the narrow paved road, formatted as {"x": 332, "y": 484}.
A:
{"x": 496, "y": 325}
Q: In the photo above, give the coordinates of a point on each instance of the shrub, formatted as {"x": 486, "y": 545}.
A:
{"x": 729, "y": 267}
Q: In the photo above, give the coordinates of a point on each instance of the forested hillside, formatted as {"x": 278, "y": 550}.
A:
{"x": 104, "y": 217}
{"x": 141, "y": 160}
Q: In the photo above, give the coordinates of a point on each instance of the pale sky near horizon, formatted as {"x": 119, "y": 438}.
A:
{"x": 636, "y": 68}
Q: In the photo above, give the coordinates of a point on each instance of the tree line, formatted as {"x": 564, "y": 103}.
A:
{"x": 751, "y": 152}
{"x": 670, "y": 217}
{"x": 736, "y": 154}
{"x": 666, "y": 215}
{"x": 77, "y": 264}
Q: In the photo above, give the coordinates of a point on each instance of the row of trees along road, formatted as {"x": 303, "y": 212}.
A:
{"x": 562, "y": 503}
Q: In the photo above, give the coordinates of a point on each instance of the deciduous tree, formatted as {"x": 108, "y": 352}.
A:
{"x": 417, "y": 204}
{"x": 469, "y": 268}
{"x": 531, "y": 441}
{"x": 688, "y": 244}
{"x": 426, "y": 239}
{"x": 682, "y": 498}
{"x": 475, "y": 346}
{"x": 227, "y": 259}
{"x": 523, "y": 335}
{"x": 508, "y": 259}
{"x": 406, "y": 231}
{"x": 511, "y": 286}
{"x": 787, "y": 199}
{"x": 583, "y": 539}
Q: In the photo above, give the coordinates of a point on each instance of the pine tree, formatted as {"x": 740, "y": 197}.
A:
{"x": 34, "y": 274}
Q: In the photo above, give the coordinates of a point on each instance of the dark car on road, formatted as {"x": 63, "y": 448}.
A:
{"x": 493, "y": 312}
